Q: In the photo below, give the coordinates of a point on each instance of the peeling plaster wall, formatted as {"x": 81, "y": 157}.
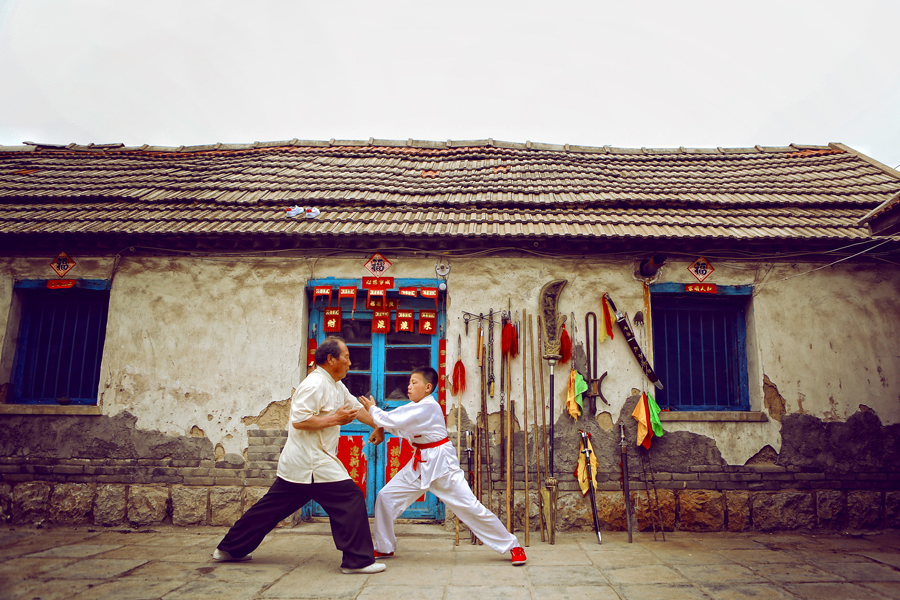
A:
{"x": 204, "y": 347}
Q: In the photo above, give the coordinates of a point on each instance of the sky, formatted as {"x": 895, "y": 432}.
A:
{"x": 654, "y": 74}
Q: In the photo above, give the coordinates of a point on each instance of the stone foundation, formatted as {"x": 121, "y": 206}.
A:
{"x": 141, "y": 492}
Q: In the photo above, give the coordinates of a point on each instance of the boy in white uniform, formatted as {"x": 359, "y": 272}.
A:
{"x": 434, "y": 468}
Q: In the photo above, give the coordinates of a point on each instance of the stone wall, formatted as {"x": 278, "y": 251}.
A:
{"x": 756, "y": 497}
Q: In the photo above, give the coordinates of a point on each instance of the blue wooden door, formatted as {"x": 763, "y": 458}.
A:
{"x": 380, "y": 367}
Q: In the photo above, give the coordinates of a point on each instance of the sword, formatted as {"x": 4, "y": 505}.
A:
{"x": 585, "y": 449}
{"x": 622, "y": 319}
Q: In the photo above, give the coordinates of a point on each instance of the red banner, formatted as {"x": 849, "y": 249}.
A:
{"x": 442, "y": 376}
{"x": 376, "y": 303}
{"x": 430, "y": 293}
{"x": 350, "y": 453}
{"x": 405, "y": 321}
{"x": 321, "y": 290}
{"x": 409, "y": 291}
{"x": 428, "y": 322}
{"x": 381, "y": 321}
{"x": 60, "y": 284}
{"x": 706, "y": 288}
{"x": 332, "y": 320}
{"x": 399, "y": 452}
{"x": 348, "y": 292}
{"x": 377, "y": 283}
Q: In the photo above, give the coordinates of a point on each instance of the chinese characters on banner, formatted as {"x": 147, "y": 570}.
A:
{"x": 410, "y": 292}
{"x": 381, "y": 321}
{"x": 428, "y": 322}
{"x": 350, "y": 453}
{"x": 348, "y": 292}
{"x": 430, "y": 293}
{"x": 701, "y": 269}
{"x": 377, "y": 264}
{"x": 399, "y": 452}
{"x": 332, "y": 320}
{"x": 442, "y": 376}
{"x": 375, "y": 296}
{"x": 706, "y": 288}
{"x": 62, "y": 264}
{"x": 321, "y": 290}
{"x": 405, "y": 321}
{"x": 377, "y": 283}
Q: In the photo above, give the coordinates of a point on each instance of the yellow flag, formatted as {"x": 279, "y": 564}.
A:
{"x": 581, "y": 469}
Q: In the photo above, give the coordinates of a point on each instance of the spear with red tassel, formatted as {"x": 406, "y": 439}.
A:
{"x": 459, "y": 370}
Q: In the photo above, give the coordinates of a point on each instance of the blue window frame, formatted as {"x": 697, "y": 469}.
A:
{"x": 60, "y": 342}
{"x": 700, "y": 347}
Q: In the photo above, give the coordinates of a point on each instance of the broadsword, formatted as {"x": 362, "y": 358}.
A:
{"x": 622, "y": 319}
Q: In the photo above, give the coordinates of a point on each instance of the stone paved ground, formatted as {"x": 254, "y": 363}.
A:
{"x": 174, "y": 563}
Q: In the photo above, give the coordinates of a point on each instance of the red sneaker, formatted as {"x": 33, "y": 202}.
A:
{"x": 383, "y": 554}
{"x": 518, "y": 556}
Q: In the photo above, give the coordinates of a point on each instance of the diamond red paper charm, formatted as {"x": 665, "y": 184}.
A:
{"x": 701, "y": 269}
{"x": 62, "y": 264}
{"x": 377, "y": 264}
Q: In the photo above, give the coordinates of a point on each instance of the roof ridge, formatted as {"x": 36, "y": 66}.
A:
{"x": 412, "y": 143}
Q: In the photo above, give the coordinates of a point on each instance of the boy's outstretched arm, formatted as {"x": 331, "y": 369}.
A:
{"x": 363, "y": 416}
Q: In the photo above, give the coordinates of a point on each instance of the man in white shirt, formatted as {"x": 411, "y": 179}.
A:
{"x": 309, "y": 469}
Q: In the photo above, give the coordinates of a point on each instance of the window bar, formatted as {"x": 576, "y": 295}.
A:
{"x": 55, "y": 391}
{"x": 88, "y": 336}
{"x": 72, "y": 354}
{"x": 46, "y": 352}
{"x": 95, "y": 367}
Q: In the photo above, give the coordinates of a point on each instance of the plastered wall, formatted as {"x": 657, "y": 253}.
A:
{"x": 201, "y": 347}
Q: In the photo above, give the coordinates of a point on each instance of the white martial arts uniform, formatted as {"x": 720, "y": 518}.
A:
{"x": 438, "y": 471}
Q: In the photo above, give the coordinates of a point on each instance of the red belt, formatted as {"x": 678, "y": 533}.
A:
{"x": 417, "y": 458}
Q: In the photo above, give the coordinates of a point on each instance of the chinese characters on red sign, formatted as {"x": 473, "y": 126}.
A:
{"x": 377, "y": 264}
{"x": 62, "y": 264}
{"x": 706, "y": 288}
{"x": 701, "y": 269}
{"x": 350, "y": 452}
{"x": 428, "y": 322}
{"x": 332, "y": 320}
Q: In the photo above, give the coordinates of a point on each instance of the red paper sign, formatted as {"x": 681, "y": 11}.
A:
{"x": 350, "y": 452}
{"x": 409, "y": 291}
{"x": 430, "y": 293}
{"x": 377, "y": 264}
{"x": 332, "y": 320}
{"x": 399, "y": 452}
{"x": 377, "y": 283}
{"x": 701, "y": 269}
{"x": 706, "y": 288}
{"x": 383, "y": 304}
{"x": 322, "y": 290}
{"x": 405, "y": 321}
{"x": 348, "y": 292}
{"x": 381, "y": 321}
{"x": 62, "y": 264}
{"x": 60, "y": 284}
{"x": 428, "y": 322}
{"x": 442, "y": 376}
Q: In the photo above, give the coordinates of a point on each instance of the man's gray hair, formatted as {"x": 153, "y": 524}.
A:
{"x": 331, "y": 346}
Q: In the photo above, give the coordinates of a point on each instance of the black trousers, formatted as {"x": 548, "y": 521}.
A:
{"x": 343, "y": 501}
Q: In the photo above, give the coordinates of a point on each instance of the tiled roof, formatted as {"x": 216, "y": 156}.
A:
{"x": 446, "y": 189}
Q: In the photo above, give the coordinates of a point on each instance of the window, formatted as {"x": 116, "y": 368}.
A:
{"x": 60, "y": 343}
{"x": 700, "y": 348}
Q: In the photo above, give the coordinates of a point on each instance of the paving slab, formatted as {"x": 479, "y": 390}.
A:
{"x": 166, "y": 562}
{"x": 660, "y": 592}
{"x": 833, "y": 591}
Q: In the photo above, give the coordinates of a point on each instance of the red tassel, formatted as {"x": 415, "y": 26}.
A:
{"x": 459, "y": 378}
{"x": 510, "y": 340}
{"x": 565, "y": 346}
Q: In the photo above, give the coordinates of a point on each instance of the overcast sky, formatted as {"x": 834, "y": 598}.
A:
{"x": 628, "y": 74}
